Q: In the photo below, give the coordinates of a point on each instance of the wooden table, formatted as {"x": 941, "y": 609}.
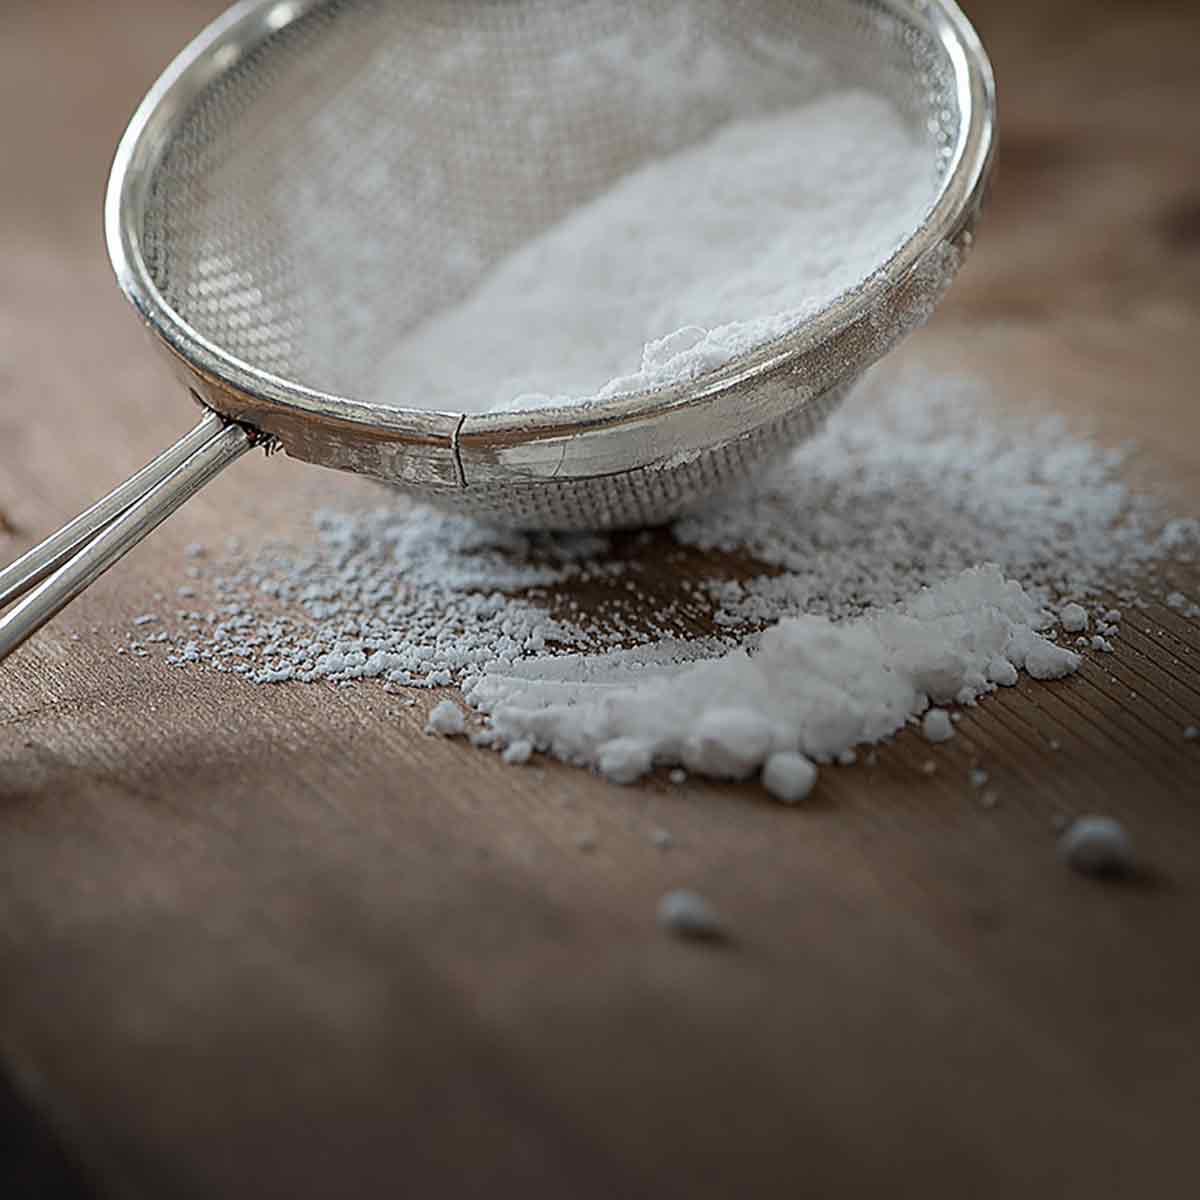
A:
{"x": 275, "y": 942}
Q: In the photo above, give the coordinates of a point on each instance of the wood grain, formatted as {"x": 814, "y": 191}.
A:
{"x": 275, "y": 942}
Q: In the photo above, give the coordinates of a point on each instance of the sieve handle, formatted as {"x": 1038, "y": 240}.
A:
{"x": 53, "y": 573}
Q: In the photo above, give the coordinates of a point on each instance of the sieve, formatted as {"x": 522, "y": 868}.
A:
{"x": 387, "y": 137}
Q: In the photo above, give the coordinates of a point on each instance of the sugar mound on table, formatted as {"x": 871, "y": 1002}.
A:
{"x": 680, "y": 267}
{"x": 810, "y": 686}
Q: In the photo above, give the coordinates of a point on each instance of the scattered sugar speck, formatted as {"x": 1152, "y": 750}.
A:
{"x": 936, "y": 725}
{"x": 446, "y": 719}
{"x": 1097, "y": 846}
{"x": 789, "y": 777}
{"x": 687, "y": 914}
{"x": 1074, "y": 618}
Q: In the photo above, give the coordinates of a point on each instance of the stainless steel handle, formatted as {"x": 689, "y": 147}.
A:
{"x": 53, "y": 573}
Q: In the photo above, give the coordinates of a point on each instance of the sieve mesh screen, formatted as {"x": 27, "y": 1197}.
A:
{"x": 366, "y": 164}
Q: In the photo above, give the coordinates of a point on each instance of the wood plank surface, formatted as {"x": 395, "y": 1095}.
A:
{"x": 275, "y": 942}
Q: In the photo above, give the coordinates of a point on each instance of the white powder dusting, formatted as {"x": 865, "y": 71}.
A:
{"x": 579, "y": 647}
{"x": 1182, "y": 605}
{"x": 916, "y": 479}
{"x": 680, "y": 267}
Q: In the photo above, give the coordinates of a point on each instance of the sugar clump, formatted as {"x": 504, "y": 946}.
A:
{"x": 937, "y": 726}
{"x": 1097, "y": 846}
{"x": 789, "y": 776}
{"x": 446, "y": 719}
{"x": 687, "y": 914}
{"x": 624, "y": 759}
{"x": 1074, "y": 618}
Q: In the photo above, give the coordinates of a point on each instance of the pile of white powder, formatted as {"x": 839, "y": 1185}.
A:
{"x": 683, "y": 265}
{"x": 866, "y": 559}
{"x": 809, "y": 685}
{"x": 915, "y": 555}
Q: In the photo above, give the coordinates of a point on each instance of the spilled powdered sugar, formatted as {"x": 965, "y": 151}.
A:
{"x": 569, "y": 644}
{"x": 810, "y": 685}
{"x": 916, "y": 480}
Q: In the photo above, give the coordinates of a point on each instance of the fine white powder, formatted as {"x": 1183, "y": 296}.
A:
{"x": 680, "y": 267}
{"x": 913, "y": 485}
{"x": 811, "y": 686}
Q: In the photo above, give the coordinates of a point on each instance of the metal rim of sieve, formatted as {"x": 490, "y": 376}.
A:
{"x": 446, "y": 454}
{"x": 275, "y": 404}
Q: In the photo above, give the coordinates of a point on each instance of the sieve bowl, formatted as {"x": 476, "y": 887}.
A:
{"x": 412, "y": 145}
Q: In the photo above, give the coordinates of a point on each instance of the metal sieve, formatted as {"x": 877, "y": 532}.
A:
{"x": 415, "y": 143}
